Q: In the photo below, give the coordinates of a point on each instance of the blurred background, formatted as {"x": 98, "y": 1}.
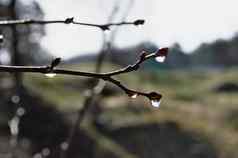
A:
{"x": 198, "y": 116}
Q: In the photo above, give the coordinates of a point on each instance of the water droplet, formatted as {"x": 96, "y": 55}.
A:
{"x": 155, "y": 103}
{"x": 160, "y": 59}
{"x": 37, "y": 155}
{"x": 50, "y": 75}
{"x": 20, "y": 111}
{"x": 64, "y": 146}
{"x": 45, "y": 152}
{"x": 5, "y": 57}
{"x": 134, "y": 96}
{"x": 15, "y": 99}
{"x": 13, "y": 125}
{"x": 1, "y": 38}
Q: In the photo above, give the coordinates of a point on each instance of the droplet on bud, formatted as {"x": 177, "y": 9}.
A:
{"x": 155, "y": 99}
{"x": 155, "y": 103}
{"x": 134, "y": 96}
{"x": 50, "y": 75}
{"x": 160, "y": 59}
{"x": 161, "y": 54}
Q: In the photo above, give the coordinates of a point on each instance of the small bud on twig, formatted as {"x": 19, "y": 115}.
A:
{"x": 55, "y": 62}
{"x": 155, "y": 99}
{"x": 139, "y": 22}
{"x": 143, "y": 55}
{"x": 69, "y": 20}
{"x": 104, "y": 27}
{"x": 49, "y": 69}
{"x": 154, "y": 96}
{"x": 132, "y": 94}
{"x": 162, "y": 52}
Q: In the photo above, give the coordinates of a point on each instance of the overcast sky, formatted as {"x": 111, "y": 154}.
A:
{"x": 188, "y": 22}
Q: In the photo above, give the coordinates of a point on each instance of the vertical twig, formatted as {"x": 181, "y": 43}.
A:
{"x": 17, "y": 76}
{"x": 104, "y": 50}
{"x": 89, "y": 101}
{"x": 115, "y": 31}
{"x": 15, "y": 53}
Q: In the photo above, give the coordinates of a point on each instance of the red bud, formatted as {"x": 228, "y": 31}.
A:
{"x": 154, "y": 96}
{"x": 162, "y": 51}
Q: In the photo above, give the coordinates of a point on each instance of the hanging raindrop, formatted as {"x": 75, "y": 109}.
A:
{"x": 64, "y": 146}
{"x": 134, "y": 96}
{"x": 45, "y": 152}
{"x": 50, "y": 75}
{"x": 155, "y": 103}
{"x": 161, "y": 55}
{"x": 13, "y": 125}
{"x": 160, "y": 59}
{"x": 37, "y": 155}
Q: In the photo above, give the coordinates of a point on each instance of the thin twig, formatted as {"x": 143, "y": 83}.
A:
{"x": 68, "y": 21}
{"x": 101, "y": 56}
{"x": 95, "y": 91}
{"x": 104, "y": 76}
{"x": 123, "y": 18}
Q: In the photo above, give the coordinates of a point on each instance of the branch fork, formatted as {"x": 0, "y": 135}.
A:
{"x": 104, "y": 76}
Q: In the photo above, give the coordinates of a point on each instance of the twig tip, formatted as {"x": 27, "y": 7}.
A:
{"x": 69, "y": 20}
{"x": 55, "y": 62}
{"x": 104, "y": 27}
{"x": 139, "y": 22}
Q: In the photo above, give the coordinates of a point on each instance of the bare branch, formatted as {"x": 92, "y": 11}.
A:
{"x": 68, "y": 21}
{"x": 104, "y": 76}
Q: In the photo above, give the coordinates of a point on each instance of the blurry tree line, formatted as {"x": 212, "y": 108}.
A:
{"x": 218, "y": 54}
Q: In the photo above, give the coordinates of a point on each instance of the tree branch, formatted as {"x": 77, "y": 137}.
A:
{"x": 51, "y": 69}
{"x": 103, "y": 27}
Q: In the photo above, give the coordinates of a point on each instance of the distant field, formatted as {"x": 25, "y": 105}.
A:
{"x": 189, "y": 99}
